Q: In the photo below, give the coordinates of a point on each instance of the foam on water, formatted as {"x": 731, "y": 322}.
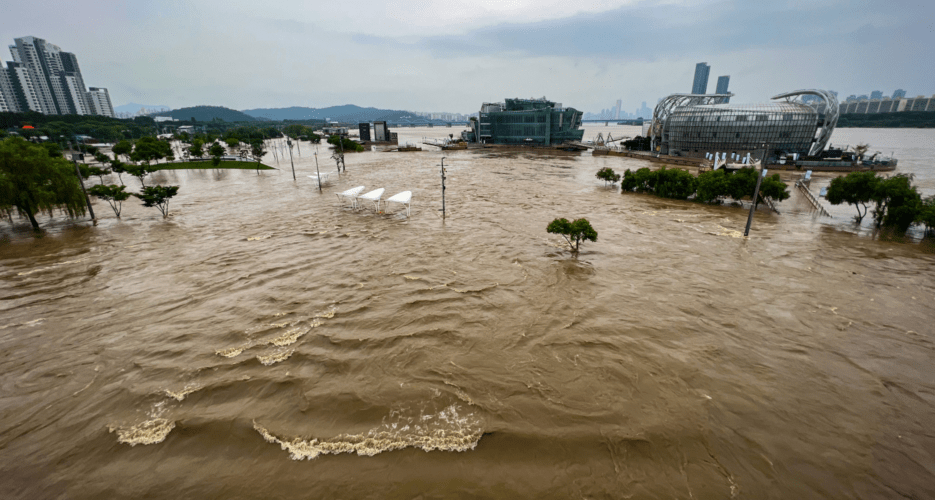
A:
{"x": 231, "y": 351}
{"x": 292, "y": 335}
{"x": 180, "y": 394}
{"x": 446, "y": 430}
{"x": 327, "y": 314}
{"x": 149, "y": 432}
{"x": 275, "y": 357}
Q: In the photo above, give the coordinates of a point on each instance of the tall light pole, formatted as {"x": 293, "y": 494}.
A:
{"x": 317, "y": 172}
{"x": 289, "y": 142}
{"x": 443, "y": 187}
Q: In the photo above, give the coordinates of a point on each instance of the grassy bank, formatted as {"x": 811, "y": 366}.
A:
{"x": 208, "y": 165}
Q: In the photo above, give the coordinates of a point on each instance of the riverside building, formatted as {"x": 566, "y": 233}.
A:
{"x": 45, "y": 79}
{"x": 533, "y": 122}
{"x": 693, "y": 125}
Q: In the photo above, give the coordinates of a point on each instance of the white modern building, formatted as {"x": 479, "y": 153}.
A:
{"x": 43, "y": 78}
{"x": 100, "y": 102}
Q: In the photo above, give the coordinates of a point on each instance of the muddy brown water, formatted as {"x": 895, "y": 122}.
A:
{"x": 267, "y": 341}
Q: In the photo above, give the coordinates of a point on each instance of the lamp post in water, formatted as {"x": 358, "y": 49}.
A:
{"x": 443, "y": 187}
{"x": 317, "y": 172}
{"x": 289, "y": 142}
{"x": 756, "y": 192}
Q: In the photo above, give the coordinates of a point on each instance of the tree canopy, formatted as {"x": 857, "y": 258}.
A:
{"x": 157, "y": 196}
{"x": 708, "y": 187}
{"x": 573, "y": 232}
{"x": 148, "y": 149}
{"x": 856, "y": 188}
{"x": 31, "y": 181}
{"x": 607, "y": 174}
{"x": 114, "y": 195}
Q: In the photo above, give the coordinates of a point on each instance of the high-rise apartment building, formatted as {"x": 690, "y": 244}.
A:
{"x": 100, "y": 102}
{"x": 617, "y": 111}
{"x": 876, "y": 94}
{"x": 700, "y": 85}
{"x": 43, "y": 78}
{"x": 899, "y": 94}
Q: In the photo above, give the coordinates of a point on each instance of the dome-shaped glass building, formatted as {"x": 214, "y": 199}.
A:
{"x": 693, "y": 125}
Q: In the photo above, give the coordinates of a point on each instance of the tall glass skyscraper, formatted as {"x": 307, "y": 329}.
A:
{"x": 700, "y": 85}
{"x": 722, "y": 83}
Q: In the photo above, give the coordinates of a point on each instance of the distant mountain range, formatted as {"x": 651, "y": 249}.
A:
{"x": 208, "y": 113}
{"x": 347, "y": 113}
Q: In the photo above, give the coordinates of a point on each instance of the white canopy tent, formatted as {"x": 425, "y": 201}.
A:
{"x": 350, "y": 194}
{"x": 373, "y": 196}
{"x": 404, "y": 198}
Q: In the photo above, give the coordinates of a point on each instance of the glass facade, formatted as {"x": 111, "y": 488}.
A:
{"x": 783, "y": 126}
{"x": 537, "y": 122}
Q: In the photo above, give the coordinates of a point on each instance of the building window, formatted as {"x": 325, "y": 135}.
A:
{"x": 741, "y": 118}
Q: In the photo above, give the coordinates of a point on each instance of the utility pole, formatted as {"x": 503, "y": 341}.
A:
{"x": 289, "y": 142}
{"x": 443, "y": 187}
{"x": 756, "y": 192}
{"x": 74, "y": 159}
{"x": 317, "y": 172}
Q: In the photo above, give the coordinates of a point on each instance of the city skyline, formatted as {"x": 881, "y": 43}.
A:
{"x": 455, "y": 55}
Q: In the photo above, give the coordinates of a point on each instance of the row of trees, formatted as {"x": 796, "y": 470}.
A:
{"x": 708, "y": 187}
{"x": 63, "y": 128}
{"x": 897, "y": 204}
{"x": 34, "y": 182}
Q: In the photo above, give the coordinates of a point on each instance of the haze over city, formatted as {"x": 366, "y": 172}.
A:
{"x": 453, "y": 55}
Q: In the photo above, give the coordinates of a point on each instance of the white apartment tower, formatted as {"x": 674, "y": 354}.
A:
{"x": 43, "y": 78}
{"x": 100, "y": 102}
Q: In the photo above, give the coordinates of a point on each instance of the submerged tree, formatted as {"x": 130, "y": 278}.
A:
{"x": 927, "y": 215}
{"x": 158, "y": 196}
{"x": 607, "y": 174}
{"x": 113, "y": 194}
{"x": 856, "y": 188}
{"x": 897, "y": 203}
{"x": 573, "y": 232}
{"x": 31, "y": 181}
{"x": 216, "y": 152}
{"x": 258, "y": 149}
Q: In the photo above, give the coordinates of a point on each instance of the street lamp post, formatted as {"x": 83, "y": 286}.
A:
{"x": 317, "y": 172}
{"x": 443, "y": 187}
{"x": 289, "y": 142}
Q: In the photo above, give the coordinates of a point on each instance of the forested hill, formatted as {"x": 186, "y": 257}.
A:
{"x": 347, "y": 113}
{"x": 208, "y": 113}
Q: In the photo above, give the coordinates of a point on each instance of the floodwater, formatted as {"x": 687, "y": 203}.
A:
{"x": 267, "y": 341}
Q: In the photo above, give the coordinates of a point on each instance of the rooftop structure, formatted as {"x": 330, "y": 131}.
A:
{"x": 537, "y": 122}
{"x": 692, "y": 125}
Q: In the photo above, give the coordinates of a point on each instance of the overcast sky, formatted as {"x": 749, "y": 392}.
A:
{"x": 451, "y": 55}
